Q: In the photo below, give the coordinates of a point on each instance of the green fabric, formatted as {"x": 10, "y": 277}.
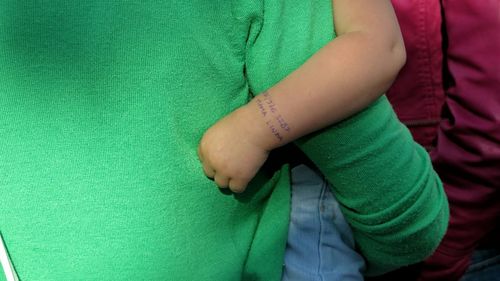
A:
{"x": 411, "y": 213}
{"x": 102, "y": 105}
{"x": 2, "y": 275}
{"x": 368, "y": 158}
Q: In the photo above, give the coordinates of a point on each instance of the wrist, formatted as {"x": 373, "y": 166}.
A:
{"x": 269, "y": 129}
{"x": 253, "y": 129}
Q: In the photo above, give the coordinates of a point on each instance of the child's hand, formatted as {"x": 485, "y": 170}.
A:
{"x": 231, "y": 152}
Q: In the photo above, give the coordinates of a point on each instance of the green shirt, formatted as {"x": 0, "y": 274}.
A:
{"x": 102, "y": 105}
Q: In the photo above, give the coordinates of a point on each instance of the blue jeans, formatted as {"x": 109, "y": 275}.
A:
{"x": 320, "y": 244}
{"x": 485, "y": 266}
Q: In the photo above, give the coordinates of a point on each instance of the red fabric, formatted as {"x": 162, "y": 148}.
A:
{"x": 418, "y": 95}
{"x": 465, "y": 144}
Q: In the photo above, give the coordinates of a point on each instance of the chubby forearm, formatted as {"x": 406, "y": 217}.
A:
{"x": 345, "y": 76}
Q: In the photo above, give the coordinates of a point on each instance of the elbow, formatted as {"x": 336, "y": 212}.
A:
{"x": 396, "y": 58}
{"x": 393, "y": 52}
{"x": 398, "y": 54}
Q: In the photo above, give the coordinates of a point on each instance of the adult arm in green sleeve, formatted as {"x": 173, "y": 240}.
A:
{"x": 386, "y": 185}
{"x": 384, "y": 181}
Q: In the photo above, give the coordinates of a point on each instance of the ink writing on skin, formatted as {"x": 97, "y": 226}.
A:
{"x": 270, "y": 103}
{"x": 261, "y": 107}
{"x": 275, "y": 131}
{"x": 276, "y": 123}
{"x": 283, "y": 123}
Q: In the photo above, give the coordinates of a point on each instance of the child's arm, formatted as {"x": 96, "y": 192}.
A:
{"x": 341, "y": 79}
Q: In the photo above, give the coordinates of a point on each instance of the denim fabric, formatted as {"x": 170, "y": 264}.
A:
{"x": 484, "y": 266}
{"x": 320, "y": 244}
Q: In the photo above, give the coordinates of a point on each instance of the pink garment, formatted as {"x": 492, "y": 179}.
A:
{"x": 457, "y": 118}
{"x": 418, "y": 95}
